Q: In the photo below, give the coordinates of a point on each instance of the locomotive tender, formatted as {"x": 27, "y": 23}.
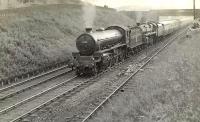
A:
{"x": 103, "y": 48}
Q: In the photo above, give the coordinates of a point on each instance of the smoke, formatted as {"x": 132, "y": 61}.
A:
{"x": 89, "y": 13}
{"x": 139, "y": 16}
{"x": 145, "y": 16}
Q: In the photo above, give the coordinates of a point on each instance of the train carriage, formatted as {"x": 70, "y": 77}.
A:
{"x": 170, "y": 26}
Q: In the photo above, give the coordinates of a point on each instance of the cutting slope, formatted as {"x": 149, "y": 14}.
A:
{"x": 34, "y": 36}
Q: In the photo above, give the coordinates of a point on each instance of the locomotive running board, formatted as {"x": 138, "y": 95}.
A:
{"x": 114, "y": 47}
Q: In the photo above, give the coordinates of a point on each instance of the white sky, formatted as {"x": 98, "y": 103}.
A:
{"x": 155, "y": 4}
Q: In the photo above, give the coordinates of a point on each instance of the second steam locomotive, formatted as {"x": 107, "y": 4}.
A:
{"x": 104, "y": 47}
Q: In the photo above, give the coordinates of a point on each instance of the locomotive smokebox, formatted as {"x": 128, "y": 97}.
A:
{"x": 88, "y": 30}
{"x": 138, "y": 24}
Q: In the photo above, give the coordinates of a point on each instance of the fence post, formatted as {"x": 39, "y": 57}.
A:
{"x": 8, "y": 82}
{"x": 2, "y": 83}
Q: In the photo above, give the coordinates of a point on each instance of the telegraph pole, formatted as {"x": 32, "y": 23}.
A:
{"x": 194, "y": 9}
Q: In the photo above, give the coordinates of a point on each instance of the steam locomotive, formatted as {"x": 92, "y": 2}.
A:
{"x": 103, "y": 48}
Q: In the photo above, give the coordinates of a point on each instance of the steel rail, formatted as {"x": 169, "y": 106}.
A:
{"x": 32, "y": 86}
{"x": 125, "y": 81}
{"x": 67, "y": 93}
{"x": 32, "y": 78}
{"x": 35, "y": 96}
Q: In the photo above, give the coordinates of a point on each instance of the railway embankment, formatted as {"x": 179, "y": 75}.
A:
{"x": 167, "y": 89}
{"x": 32, "y": 37}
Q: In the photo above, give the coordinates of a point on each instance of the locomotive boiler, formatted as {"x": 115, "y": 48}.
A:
{"x": 88, "y": 43}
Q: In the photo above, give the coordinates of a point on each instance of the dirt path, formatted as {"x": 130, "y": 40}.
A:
{"x": 166, "y": 91}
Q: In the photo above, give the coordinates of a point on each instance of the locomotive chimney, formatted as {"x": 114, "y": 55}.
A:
{"x": 138, "y": 24}
{"x": 88, "y": 30}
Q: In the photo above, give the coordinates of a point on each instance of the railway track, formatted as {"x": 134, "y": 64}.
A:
{"x": 111, "y": 93}
{"x": 11, "y": 110}
{"x": 68, "y": 90}
{"x": 36, "y": 101}
{"x": 23, "y": 86}
{"x": 17, "y": 111}
{"x": 64, "y": 90}
{"x": 13, "y": 96}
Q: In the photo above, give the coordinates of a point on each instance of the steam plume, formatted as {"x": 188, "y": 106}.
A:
{"x": 138, "y": 16}
{"x": 89, "y": 13}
